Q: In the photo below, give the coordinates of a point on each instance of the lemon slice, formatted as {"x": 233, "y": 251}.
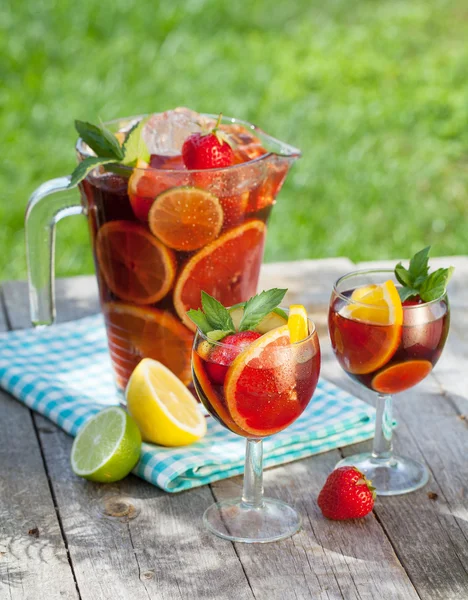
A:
{"x": 163, "y": 408}
{"x": 297, "y": 323}
{"x": 379, "y": 304}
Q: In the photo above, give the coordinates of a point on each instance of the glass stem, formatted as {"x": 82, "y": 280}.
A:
{"x": 252, "y": 494}
{"x": 382, "y": 448}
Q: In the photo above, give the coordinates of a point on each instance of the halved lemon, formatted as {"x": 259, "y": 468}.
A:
{"x": 369, "y": 343}
{"x": 297, "y": 323}
{"x": 164, "y": 410}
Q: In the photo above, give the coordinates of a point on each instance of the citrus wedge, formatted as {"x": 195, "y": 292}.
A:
{"x": 368, "y": 329}
{"x": 136, "y": 332}
{"x": 107, "y": 447}
{"x": 298, "y": 323}
{"x": 378, "y": 304}
{"x": 401, "y": 376}
{"x": 163, "y": 408}
{"x": 134, "y": 264}
{"x": 186, "y": 218}
{"x": 260, "y": 385}
{"x": 227, "y": 269}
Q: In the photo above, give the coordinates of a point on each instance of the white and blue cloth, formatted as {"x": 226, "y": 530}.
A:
{"x": 64, "y": 373}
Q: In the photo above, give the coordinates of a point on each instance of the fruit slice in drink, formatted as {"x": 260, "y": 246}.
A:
{"x": 260, "y": 385}
{"x": 401, "y": 376}
{"x": 136, "y": 332}
{"x": 134, "y": 264}
{"x": 227, "y": 269}
{"x": 368, "y": 329}
{"x": 186, "y": 218}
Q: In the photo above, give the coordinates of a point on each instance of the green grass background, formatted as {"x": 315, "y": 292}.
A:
{"x": 375, "y": 93}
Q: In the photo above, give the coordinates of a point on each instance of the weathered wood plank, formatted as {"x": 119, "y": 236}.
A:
{"x": 75, "y": 297}
{"x": 33, "y": 558}
{"x": 325, "y": 560}
{"x": 163, "y": 552}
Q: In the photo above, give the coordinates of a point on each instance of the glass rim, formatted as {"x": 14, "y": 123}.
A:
{"x": 293, "y": 152}
{"x": 312, "y": 332}
{"x": 358, "y": 272}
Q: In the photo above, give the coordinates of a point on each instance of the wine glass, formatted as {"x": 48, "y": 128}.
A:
{"x": 264, "y": 389}
{"x": 386, "y": 357}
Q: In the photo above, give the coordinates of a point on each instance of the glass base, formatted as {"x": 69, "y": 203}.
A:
{"x": 392, "y": 476}
{"x": 236, "y": 521}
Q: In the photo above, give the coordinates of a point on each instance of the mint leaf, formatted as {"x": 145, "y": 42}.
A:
{"x": 417, "y": 281}
{"x": 403, "y": 275}
{"x": 102, "y": 141}
{"x": 217, "y": 334}
{"x": 87, "y": 165}
{"x": 435, "y": 284}
{"x": 259, "y": 306}
{"x": 134, "y": 146}
{"x": 217, "y": 315}
{"x": 198, "y": 317}
{"x": 407, "y": 292}
{"x": 419, "y": 266}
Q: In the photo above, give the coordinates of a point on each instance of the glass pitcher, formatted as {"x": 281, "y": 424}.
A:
{"x": 160, "y": 235}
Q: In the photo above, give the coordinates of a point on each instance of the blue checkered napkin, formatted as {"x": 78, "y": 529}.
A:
{"x": 64, "y": 373}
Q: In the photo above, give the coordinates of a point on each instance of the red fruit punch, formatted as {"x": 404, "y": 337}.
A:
{"x": 221, "y": 357}
{"x": 347, "y": 494}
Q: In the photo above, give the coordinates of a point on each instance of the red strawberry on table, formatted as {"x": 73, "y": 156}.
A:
{"x": 208, "y": 149}
{"x": 347, "y": 494}
{"x": 221, "y": 357}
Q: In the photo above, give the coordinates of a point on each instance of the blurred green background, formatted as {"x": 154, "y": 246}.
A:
{"x": 375, "y": 93}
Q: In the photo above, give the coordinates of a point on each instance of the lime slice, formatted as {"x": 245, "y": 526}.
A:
{"x": 107, "y": 447}
{"x": 276, "y": 318}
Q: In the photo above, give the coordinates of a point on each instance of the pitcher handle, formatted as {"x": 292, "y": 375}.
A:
{"x": 51, "y": 202}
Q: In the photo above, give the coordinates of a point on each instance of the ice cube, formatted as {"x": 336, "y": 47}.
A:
{"x": 165, "y": 133}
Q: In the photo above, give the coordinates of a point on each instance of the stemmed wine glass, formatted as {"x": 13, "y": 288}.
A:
{"x": 264, "y": 389}
{"x": 387, "y": 352}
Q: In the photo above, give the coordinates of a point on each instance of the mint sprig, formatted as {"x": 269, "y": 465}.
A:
{"x": 108, "y": 150}
{"x": 215, "y": 321}
{"x": 417, "y": 281}
{"x": 259, "y": 306}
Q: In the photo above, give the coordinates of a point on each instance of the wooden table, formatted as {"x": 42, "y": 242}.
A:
{"x": 55, "y": 542}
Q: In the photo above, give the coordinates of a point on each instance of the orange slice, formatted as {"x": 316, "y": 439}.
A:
{"x": 260, "y": 385}
{"x": 227, "y": 269}
{"x": 214, "y": 398}
{"x": 134, "y": 264}
{"x": 136, "y": 332}
{"x": 401, "y": 376}
{"x": 370, "y": 332}
{"x": 186, "y": 218}
{"x": 297, "y": 323}
{"x": 234, "y": 208}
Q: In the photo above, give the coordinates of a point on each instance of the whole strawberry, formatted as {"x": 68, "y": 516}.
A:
{"x": 347, "y": 494}
{"x": 207, "y": 150}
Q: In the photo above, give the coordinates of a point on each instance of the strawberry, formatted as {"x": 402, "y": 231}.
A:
{"x": 347, "y": 494}
{"x": 221, "y": 357}
{"x": 208, "y": 149}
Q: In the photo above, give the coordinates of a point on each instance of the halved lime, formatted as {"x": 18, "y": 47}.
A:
{"x": 107, "y": 447}
{"x": 276, "y": 318}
